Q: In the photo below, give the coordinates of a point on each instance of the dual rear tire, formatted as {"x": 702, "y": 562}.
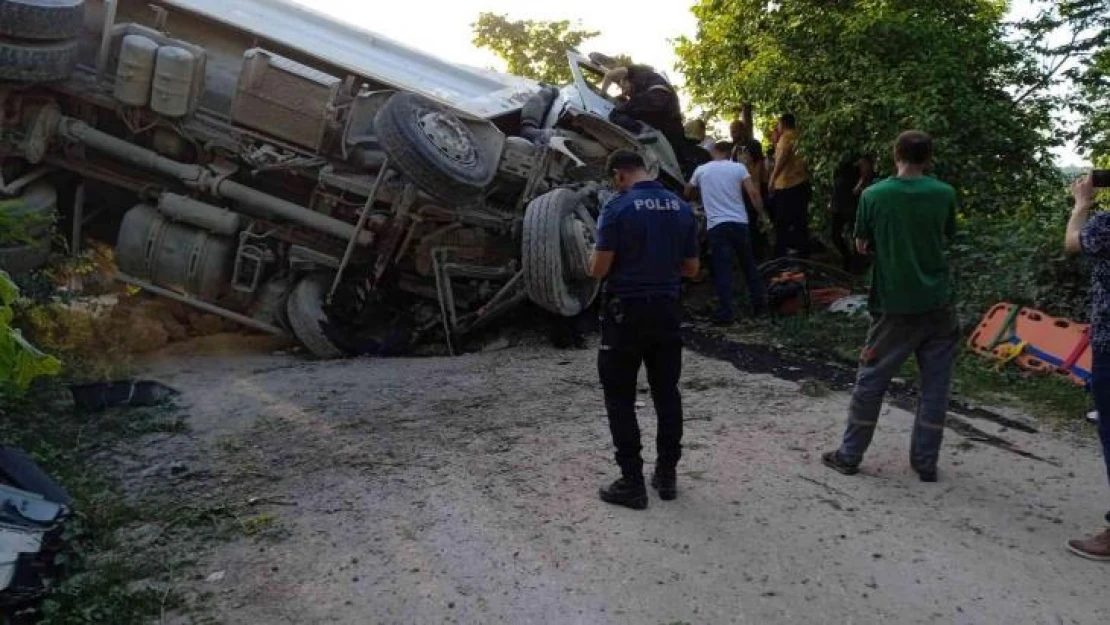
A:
{"x": 39, "y": 39}
{"x": 30, "y": 220}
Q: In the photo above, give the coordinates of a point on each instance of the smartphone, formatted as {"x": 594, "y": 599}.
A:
{"x": 1101, "y": 178}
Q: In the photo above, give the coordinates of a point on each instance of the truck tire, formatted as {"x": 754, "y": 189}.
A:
{"x": 305, "y": 308}
{"x": 36, "y": 207}
{"x": 45, "y": 20}
{"x": 549, "y": 279}
{"x": 20, "y": 259}
{"x": 38, "y": 204}
{"x": 37, "y": 62}
{"x": 433, "y": 148}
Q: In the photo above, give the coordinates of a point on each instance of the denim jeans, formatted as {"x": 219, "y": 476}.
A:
{"x": 725, "y": 241}
{"x": 1100, "y": 388}
{"x": 646, "y": 332}
{"x": 933, "y": 338}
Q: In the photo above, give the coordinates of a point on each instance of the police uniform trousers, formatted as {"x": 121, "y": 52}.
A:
{"x": 642, "y": 331}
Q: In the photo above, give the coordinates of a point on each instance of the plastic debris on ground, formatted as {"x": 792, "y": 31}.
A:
{"x": 98, "y": 396}
{"x": 850, "y": 305}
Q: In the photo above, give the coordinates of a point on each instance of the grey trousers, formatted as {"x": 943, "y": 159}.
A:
{"x": 933, "y": 338}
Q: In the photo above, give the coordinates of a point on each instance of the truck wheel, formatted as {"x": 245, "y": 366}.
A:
{"x": 305, "y": 308}
{"x": 20, "y": 259}
{"x": 47, "y": 20}
{"x": 433, "y": 148}
{"x": 553, "y": 257}
{"x": 33, "y": 214}
{"x": 34, "y": 211}
{"x": 37, "y": 62}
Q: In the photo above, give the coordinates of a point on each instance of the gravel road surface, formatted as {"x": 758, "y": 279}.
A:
{"x": 463, "y": 490}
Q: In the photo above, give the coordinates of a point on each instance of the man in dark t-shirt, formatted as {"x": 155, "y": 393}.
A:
{"x": 849, "y": 182}
{"x": 650, "y": 99}
{"x": 646, "y": 244}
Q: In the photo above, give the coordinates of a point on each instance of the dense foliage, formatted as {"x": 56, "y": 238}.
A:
{"x": 20, "y": 362}
{"x": 858, "y": 72}
{"x": 1071, "y": 39}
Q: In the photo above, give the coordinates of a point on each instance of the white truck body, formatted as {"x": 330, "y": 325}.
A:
{"x": 478, "y": 92}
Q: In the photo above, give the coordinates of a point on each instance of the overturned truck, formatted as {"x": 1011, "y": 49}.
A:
{"x": 300, "y": 176}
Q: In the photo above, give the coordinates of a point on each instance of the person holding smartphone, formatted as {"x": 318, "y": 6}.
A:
{"x": 1090, "y": 236}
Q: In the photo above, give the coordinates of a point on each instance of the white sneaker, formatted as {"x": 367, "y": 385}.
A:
{"x": 1092, "y": 416}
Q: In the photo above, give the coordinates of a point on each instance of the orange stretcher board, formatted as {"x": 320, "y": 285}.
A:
{"x": 1047, "y": 344}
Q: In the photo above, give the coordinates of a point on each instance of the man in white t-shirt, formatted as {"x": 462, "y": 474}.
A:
{"x": 720, "y": 183}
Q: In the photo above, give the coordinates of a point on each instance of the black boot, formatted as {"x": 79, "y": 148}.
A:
{"x": 625, "y": 492}
{"x": 666, "y": 482}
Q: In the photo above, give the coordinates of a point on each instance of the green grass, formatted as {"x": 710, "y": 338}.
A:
{"x": 1043, "y": 396}
{"x": 838, "y": 338}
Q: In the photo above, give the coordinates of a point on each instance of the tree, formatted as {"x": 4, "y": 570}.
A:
{"x": 857, "y": 72}
{"x": 534, "y": 49}
{"x": 1091, "y": 19}
{"x": 1070, "y": 40}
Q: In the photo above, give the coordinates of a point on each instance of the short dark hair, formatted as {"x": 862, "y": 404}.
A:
{"x": 724, "y": 147}
{"x": 913, "y": 147}
{"x": 788, "y": 120}
{"x": 625, "y": 160}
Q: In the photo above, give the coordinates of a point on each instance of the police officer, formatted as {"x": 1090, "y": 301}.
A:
{"x": 646, "y": 244}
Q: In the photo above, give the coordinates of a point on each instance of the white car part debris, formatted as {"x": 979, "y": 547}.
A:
{"x": 20, "y": 507}
{"x": 13, "y": 543}
{"x": 851, "y": 305}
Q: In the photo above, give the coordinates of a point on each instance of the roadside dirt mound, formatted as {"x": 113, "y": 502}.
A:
{"x": 155, "y": 323}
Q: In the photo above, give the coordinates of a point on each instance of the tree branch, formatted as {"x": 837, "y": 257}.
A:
{"x": 1043, "y": 82}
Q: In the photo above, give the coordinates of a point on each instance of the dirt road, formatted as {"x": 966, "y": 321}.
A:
{"x": 464, "y": 491}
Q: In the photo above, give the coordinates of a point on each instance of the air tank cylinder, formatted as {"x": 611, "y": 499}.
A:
{"x": 173, "y": 81}
{"x": 135, "y": 71}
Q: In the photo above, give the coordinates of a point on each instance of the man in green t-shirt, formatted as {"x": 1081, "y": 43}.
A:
{"x": 905, "y": 223}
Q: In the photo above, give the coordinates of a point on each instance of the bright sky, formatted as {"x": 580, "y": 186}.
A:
{"x": 442, "y": 27}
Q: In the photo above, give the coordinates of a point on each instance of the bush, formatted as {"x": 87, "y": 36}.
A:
{"x": 20, "y": 362}
{"x": 1019, "y": 257}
